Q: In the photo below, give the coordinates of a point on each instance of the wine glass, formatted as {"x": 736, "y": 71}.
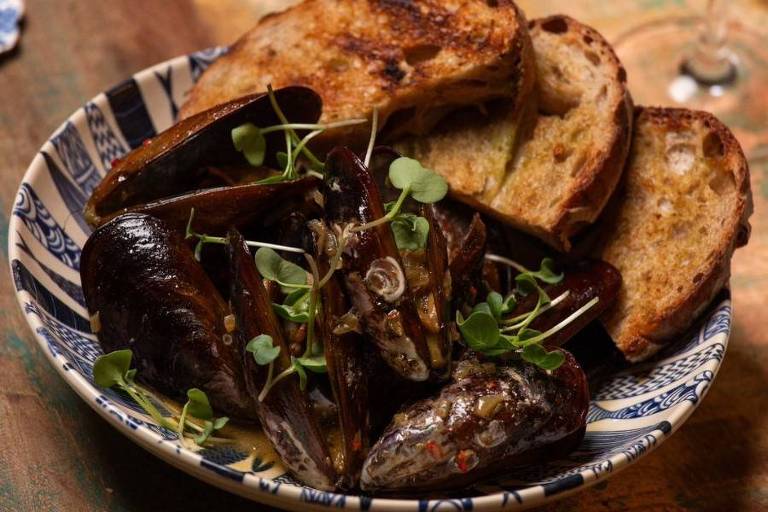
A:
{"x": 713, "y": 62}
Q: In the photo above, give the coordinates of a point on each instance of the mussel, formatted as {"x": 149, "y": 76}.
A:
{"x": 373, "y": 271}
{"x": 490, "y": 417}
{"x": 346, "y": 362}
{"x": 284, "y": 412}
{"x": 179, "y": 159}
{"x": 217, "y": 209}
{"x": 146, "y": 292}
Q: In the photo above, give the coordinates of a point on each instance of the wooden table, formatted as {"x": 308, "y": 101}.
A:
{"x": 57, "y": 454}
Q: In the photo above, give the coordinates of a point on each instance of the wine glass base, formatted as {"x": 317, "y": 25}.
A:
{"x": 654, "y": 56}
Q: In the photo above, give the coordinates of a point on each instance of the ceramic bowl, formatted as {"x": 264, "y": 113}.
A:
{"x": 631, "y": 413}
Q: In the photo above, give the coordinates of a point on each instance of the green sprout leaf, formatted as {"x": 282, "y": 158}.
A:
{"x": 526, "y": 284}
{"x": 499, "y": 306}
{"x": 288, "y": 275}
{"x": 538, "y": 355}
{"x": 113, "y": 369}
{"x": 198, "y": 404}
{"x": 208, "y": 428}
{"x": 249, "y": 140}
{"x": 425, "y": 185}
{"x": 264, "y": 352}
{"x": 295, "y": 308}
{"x": 546, "y": 272}
{"x": 411, "y": 231}
{"x": 315, "y": 364}
{"x": 480, "y": 330}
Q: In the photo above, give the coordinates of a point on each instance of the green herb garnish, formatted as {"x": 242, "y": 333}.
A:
{"x": 413, "y": 180}
{"x": 113, "y": 371}
{"x": 249, "y": 139}
{"x": 295, "y": 307}
{"x": 273, "y": 267}
{"x": 490, "y": 331}
{"x": 411, "y": 231}
{"x": 199, "y": 407}
{"x": 203, "y": 239}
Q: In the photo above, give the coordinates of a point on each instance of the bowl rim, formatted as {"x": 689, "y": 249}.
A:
{"x": 270, "y": 491}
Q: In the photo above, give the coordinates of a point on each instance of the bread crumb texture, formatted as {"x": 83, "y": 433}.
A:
{"x": 683, "y": 200}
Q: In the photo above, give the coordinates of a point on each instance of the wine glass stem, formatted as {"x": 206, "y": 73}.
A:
{"x": 711, "y": 62}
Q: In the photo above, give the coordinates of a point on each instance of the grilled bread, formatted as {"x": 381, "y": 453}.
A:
{"x": 552, "y": 173}
{"x": 681, "y": 210}
{"x": 413, "y": 60}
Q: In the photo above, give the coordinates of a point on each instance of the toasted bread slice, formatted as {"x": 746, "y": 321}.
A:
{"x": 412, "y": 60}
{"x": 681, "y": 210}
{"x": 568, "y": 163}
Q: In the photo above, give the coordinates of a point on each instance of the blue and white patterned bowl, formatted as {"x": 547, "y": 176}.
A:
{"x": 11, "y": 13}
{"x": 631, "y": 413}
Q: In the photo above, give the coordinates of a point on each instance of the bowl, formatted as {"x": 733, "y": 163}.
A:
{"x": 631, "y": 413}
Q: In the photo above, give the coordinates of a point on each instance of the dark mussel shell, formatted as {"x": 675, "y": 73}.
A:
{"x": 175, "y": 161}
{"x": 427, "y": 273}
{"x": 345, "y": 357}
{"x": 372, "y": 269}
{"x": 489, "y": 418}
{"x": 146, "y": 292}
{"x": 217, "y": 209}
{"x": 584, "y": 280}
{"x": 285, "y": 412}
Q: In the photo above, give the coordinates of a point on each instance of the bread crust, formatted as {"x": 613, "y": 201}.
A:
{"x": 640, "y": 336}
{"x": 402, "y": 57}
{"x": 525, "y": 183}
{"x": 589, "y": 194}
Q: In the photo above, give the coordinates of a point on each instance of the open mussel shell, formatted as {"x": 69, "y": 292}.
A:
{"x": 146, "y": 292}
{"x": 345, "y": 357}
{"x": 176, "y": 160}
{"x": 285, "y": 412}
{"x": 372, "y": 269}
{"x": 217, "y": 209}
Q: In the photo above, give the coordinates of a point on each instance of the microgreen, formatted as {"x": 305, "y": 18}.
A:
{"x": 285, "y": 273}
{"x": 372, "y": 140}
{"x": 203, "y": 239}
{"x": 113, "y": 370}
{"x": 490, "y": 331}
{"x": 538, "y": 355}
{"x": 199, "y": 407}
{"x": 250, "y": 141}
{"x": 499, "y": 305}
{"x": 411, "y": 231}
{"x": 295, "y": 307}
{"x": 413, "y": 180}
{"x": 425, "y": 185}
{"x": 208, "y": 428}
{"x": 264, "y": 352}
{"x": 480, "y": 330}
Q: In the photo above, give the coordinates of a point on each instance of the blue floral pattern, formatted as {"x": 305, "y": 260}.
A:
{"x": 643, "y": 404}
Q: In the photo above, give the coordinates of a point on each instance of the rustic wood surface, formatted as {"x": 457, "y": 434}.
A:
{"x": 57, "y": 454}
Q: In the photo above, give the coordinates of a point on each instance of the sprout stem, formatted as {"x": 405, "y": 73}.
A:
{"x": 573, "y": 316}
{"x": 506, "y": 261}
{"x": 372, "y": 140}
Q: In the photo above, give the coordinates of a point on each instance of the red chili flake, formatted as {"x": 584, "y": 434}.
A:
{"x": 114, "y": 162}
{"x": 434, "y": 449}
{"x": 357, "y": 443}
{"x": 462, "y": 460}
{"x": 492, "y": 385}
{"x": 146, "y": 142}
